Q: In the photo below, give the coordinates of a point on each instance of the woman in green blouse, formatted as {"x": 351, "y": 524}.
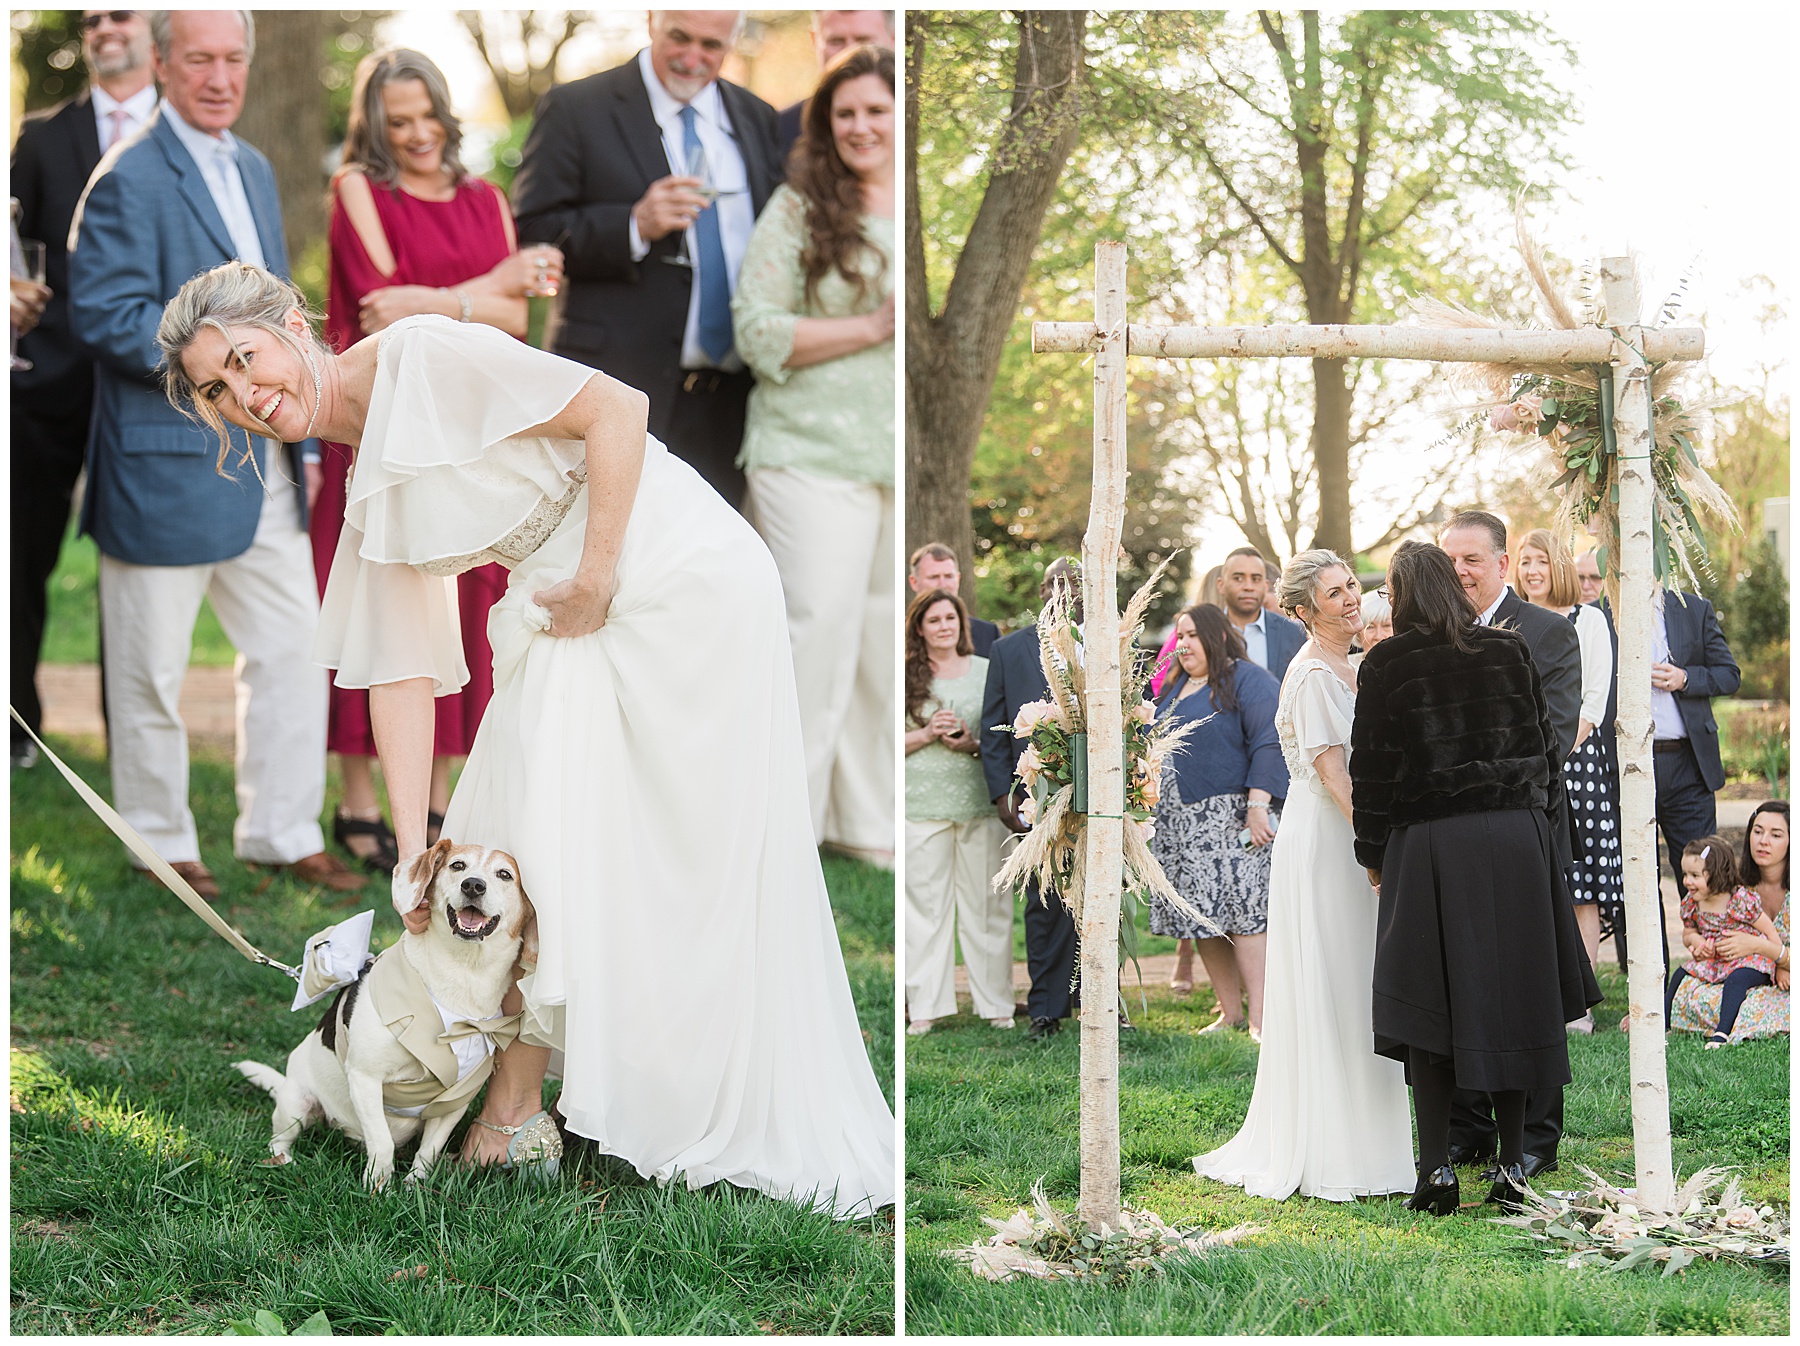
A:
{"x": 814, "y": 313}
{"x": 952, "y": 836}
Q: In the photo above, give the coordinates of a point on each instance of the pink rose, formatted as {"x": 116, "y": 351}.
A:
{"x": 1032, "y": 714}
{"x": 1028, "y": 811}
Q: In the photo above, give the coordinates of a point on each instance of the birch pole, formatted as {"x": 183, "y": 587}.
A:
{"x": 1646, "y": 938}
{"x": 1099, "y": 1204}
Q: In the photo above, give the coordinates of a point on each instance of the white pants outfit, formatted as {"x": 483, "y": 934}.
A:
{"x": 267, "y": 601}
{"x": 833, "y": 542}
{"x": 949, "y": 871}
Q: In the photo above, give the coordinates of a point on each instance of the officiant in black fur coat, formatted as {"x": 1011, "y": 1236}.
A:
{"x": 1456, "y": 779}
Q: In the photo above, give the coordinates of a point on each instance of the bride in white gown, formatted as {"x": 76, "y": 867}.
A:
{"x": 640, "y": 757}
{"x": 1328, "y": 1117}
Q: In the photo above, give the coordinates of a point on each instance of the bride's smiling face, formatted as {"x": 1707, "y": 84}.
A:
{"x": 1337, "y": 601}
{"x": 270, "y": 389}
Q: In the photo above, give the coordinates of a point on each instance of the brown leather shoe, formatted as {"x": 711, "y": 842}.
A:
{"x": 327, "y": 871}
{"x": 198, "y": 876}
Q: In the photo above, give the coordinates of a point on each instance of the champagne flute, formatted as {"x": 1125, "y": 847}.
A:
{"x": 28, "y": 261}
{"x": 707, "y": 190}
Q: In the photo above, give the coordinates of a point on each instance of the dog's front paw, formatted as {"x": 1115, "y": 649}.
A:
{"x": 378, "y": 1177}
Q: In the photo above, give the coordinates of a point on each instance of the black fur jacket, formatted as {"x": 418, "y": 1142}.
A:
{"x": 1439, "y": 733}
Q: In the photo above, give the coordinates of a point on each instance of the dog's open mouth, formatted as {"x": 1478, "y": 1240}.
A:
{"x": 472, "y": 922}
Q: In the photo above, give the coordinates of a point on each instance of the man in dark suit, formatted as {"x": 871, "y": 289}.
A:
{"x": 180, "y": 197}
{"x": 53, "y": 401}
{"x": 834, "y": 31}
{"x": 650, "y": 263}
{"x": 1691, "y": 664}
{"x": 933, "y": 566}
{"x": 1476, "y": 543}
{"x": 1016, "y": 677}
{"x": 1271, "y": 639}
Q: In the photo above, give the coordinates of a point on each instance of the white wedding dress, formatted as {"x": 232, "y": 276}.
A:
{"x": 648, "y": 778}
{"x": 1328, "y": 1117}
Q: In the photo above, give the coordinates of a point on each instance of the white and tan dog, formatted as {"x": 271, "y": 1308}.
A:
{"x": 402, "y": 1051}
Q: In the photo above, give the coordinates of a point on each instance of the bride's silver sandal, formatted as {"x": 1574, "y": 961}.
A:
{"x": 535, "y": 1146}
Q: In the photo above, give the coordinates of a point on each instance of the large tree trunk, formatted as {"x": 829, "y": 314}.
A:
{"x": 1331, "y": 455}
{"x": 952, "y": 358}
{"x": 284, "y": 116}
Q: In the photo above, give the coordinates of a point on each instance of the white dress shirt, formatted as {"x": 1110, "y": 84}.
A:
{"x": 1665, "y": 716}
{"x": 134, "y": 112}
{"x": 217, "y": 158}
{"x": 1487, "y": 618}
{"x": 737, "y": 215}
{"x": 1256, "y": 639}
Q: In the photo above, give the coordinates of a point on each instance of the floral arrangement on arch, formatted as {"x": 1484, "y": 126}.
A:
{"x": 1559, "y": 407}
{"x": 1054, "y": 851}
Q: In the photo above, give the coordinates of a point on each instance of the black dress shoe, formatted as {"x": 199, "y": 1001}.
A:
{"x": 1461, "y": 1156}
{"x": 1042, "y": 1030}
{"x": 1437, "y": 1192}
{"x": 1535, "y": 1164}
{"x": 1508, "y": 1191}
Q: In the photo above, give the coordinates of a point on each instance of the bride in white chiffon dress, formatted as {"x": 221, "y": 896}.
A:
{"x": 1328, "y": 1117}
{"x": 647, "y": 775}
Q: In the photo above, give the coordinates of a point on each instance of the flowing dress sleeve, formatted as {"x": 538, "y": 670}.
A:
{"x": 770, "y": 298}
{"x": 443, "y": 472}
{"x": 1320, "y": 719}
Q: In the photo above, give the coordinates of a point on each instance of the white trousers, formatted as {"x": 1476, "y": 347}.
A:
{"x": 833, "y": 542}
{"x": 268, "y": 604}
{"x": 949, "y": 871}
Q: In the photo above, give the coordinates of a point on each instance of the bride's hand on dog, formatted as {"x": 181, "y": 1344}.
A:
{"x": 577, "y": 606}
{"x": 410, "y": 899}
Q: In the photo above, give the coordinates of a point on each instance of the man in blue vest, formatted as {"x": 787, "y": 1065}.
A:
{"x": 174, "y": 524}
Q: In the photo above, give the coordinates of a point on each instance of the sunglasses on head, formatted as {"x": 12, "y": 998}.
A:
{"x": 93, "y": 21}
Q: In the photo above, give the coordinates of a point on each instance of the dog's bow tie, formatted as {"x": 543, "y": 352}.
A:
{"x": 502, "y": 1029}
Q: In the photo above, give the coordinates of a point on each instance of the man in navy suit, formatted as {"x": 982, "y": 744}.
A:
{"x": 53, "y": 401}
{"x": 179, "y": 197}
{"x": 1271, "y": 639}
{"x": 834, "y": 31}
{"x": 1690, "y": 665}
{"x": 933, "y": 566}
{"x": 1016, "y": 677}
{"x": 651, "y": 264}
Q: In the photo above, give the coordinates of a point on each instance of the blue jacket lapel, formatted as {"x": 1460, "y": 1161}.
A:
{"x": 193, "y": 185}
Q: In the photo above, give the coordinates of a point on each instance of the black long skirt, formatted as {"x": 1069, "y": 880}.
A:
{"x": 1477, "y": 956}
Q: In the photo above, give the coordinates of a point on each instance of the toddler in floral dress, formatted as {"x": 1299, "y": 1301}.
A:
{"x": 1714, "y": 904}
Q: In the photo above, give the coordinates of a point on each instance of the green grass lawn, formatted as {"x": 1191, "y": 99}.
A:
{"x": 987, "y": 1114}
{"x": 140, "y": 1204}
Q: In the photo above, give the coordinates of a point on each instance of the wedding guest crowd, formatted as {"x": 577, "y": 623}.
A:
{"x": 642, "y": 199}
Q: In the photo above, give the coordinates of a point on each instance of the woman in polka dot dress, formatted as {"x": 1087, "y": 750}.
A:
{"x": 1544, "y": 573}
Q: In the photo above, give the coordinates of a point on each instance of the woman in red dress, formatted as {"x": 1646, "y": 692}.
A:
{"x": 412, "y": 231}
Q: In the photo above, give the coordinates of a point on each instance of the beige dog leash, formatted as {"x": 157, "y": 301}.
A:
{"x": 157, "y": 865}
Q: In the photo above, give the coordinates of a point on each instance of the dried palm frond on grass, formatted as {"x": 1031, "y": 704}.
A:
{"x": 1052, "y": 1247}
{"x": 1605, "y": 1226}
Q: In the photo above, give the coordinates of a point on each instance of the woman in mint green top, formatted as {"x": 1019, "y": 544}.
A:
{"x": 952, "y": 834}
{"x": 814, "y": 318}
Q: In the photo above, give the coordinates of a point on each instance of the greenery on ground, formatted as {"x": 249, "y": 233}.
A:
{"x": 140, "y": 1203}
{"x": 988, "y": 1114}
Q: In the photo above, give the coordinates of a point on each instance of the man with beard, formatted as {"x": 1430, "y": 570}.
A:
{"x": 1271, "y": 639}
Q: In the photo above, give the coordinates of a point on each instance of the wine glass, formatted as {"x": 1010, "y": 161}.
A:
{"x": 28, "y": 260}
{"x": 707, "y": 190}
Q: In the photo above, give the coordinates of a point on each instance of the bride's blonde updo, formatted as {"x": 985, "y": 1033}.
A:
{"x": 1300, "y": 581}
{"x": 236, "y": 294}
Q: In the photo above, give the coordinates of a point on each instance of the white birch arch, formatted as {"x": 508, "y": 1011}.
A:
{"x": 1631, "y": 350}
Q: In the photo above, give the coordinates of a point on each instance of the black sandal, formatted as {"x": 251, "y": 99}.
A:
{"x": 386, "y": 854}
{"x": 434, "y": 828}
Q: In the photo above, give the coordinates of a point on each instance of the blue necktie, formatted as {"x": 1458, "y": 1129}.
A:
{"x": 715, "y": 285}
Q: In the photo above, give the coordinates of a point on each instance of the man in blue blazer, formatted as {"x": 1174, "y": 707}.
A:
{"x": 1271, "y": 639}
{"x": 176, "y": 198}
{"x": 1016, "y": 677}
